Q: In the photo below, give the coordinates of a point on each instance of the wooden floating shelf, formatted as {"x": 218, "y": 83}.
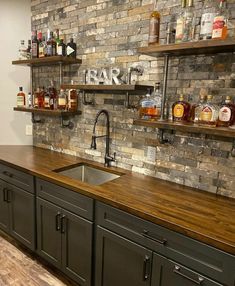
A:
{"x": 187, "y": 127}
{"x": 48, "y": 111}
{"x": 48, "y": 61}
{"x": 190, "y": 48}
{"x": 123, "y": 88}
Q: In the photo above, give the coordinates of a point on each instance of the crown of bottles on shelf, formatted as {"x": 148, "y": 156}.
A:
{"x": 52, "y": 45}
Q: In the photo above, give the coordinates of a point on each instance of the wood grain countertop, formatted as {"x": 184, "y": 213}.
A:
{"x": 200, "y": 215}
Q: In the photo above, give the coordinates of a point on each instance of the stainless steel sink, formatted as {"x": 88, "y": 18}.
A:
{"x": 88, "y": 174}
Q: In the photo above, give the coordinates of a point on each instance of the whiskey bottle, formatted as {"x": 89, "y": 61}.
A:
{"x": 38, "y": 98}
{"x": 72, "y": 99}
{"x": 207, "y": 19}
{"x": 20, "y": 98}
{"x": 154, "y": 26}
{"x": 71, "y": 49}
{"x": 51, "y": 44}
{"x": 62, "y": 100}
{"x": 220, "y": 29}
{"x": 61, "y": 48}
{"x": 227, "y": 113}
{"x": 197, "y": 108}
{"x": 34, "y": 52}
{"x": 53, "y": 96}
{"x": 209, "y": 113}
{"x": 46, "y": 99}
{"x": 181, "y": 110}
{"x": 147, "y": 107}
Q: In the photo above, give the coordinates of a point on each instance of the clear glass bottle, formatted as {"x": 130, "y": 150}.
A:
{"x": 20, "y": 102}
{"x": 196, "y": 109}
{"x": 188, "y": 23}
{"x": 147, "y": 107}
{"x": 207, "y": 19}
{"x": 23, "y": 55}
{"x": 154, "y": 26}
{"x": 180, "y": 24}
{"x": 209, "y": 113}
{"x": 157, "y": 97}
{"x": 181, "y": 110}
{"x": 220, "y": 28}
{"x": 227, "y": 113}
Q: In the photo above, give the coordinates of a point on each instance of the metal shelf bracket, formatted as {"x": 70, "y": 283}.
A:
{"x": 65, "y": 122}
{"x": 36, "y": 118}
{"x": 161, "y": 138}
{"x": 85, "y": 101}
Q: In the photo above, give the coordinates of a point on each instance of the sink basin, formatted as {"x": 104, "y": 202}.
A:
{"x": 88, "y": 174}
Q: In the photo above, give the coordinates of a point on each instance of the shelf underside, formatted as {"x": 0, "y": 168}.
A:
{"x": 188, "y": 127}
{"x": 47, "y": 111}
{"x": 114, "y": 89}
{"x": 48, "y": 61}
{"x": 190, "y": 48}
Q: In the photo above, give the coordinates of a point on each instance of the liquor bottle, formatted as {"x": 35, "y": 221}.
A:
{"x": 154, "y": 26}
{"x": 34, "y": 53}
{"x": 197, "y": 108}
{"x": 53, "y": 96}
{"x": 62, "y": 100}
{"x": 61, "y": 49}
{"x": 220, "y": 29}
{"x": 188, "y": 23}
{"x": 227, "y": 113}
{"x": 72, "y": 99}
{"x": 30, "y": 100}
{"x": 157, "y": 97}
{"x": 71, "y": 49}
{"x": 180, "y": 24}
{"x": 147, "y": 107}
{"x": 22, "y": 51}
{"x": 42, "y": 50}
{"x": 181, "y": 110}
{"x": 209, "y": 113}
{"x": 51, "y": 44}
{"x": 57, "y": 39}
{"x": 20, "y": 98}
{"x": 38, "y": 98}
{"x": 46, "y": 99}
{"x": 207, "y": 19}
{"x": 29, "y": 48}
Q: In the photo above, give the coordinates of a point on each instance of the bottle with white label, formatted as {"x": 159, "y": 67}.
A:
{"x": 208, "y": 15}
{"x": 227, "y": 113}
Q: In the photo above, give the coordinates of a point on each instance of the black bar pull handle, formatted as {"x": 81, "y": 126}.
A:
{"x": 8, "y": 195}
{"x": 57, "y": 221}
{"x": 146, "y": 271}
{"x": 5, "y": 194}
{"x": 145, "y": 233}
{"x": 177, "y": 271}
{"x": 63, "y": 224}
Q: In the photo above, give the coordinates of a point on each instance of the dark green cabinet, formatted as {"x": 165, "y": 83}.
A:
{"x": 169, "y": 273}
{"x": 17, "y": 213}
{"x": 120, "y": 261}
{"x": 65, "y": 230}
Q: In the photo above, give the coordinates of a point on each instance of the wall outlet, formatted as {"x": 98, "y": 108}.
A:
{"x": 151, "y": 154}
{"x": 29, "y": 130}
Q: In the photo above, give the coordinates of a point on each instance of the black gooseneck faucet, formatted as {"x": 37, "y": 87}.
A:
{"x": 107, "y": 157}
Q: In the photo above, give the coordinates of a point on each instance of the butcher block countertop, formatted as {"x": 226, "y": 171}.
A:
{"x": 200, "y": 215}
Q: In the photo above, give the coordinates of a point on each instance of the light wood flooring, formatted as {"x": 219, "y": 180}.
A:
{"x": 20, "y": 268}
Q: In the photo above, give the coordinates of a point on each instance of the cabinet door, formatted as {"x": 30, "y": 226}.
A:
{"x": 22, "y": 215}
{"x": 168, "y": 273}
{"x": 49, "y": 232}
{"x": 76, "y": 247}
{"x": 120, "y": 261}
{"x": 4, "y": 207}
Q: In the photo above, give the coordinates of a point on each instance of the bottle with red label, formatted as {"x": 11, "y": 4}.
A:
{"x": 227, "y": 113}
{"x": 209, "y": 113}
{"x": 220, "y": 29}
{"x": 181, "y": 110}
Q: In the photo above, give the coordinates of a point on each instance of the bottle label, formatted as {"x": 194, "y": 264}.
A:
{"x": 178, "y": 111}
{"x": 147, "y": 104}
{"x": 59, "y": 51}
{"x": 206, "y": 114}
{"x": 218, "y": 25}
{"x": 61, "y": 101}
{"x": 225, "y": 114}
{"x": 41, "y": 52}
{"x": 154, "y": 30}
{"x": 207, "y": 25}
{"x": 49, "y": 50}
{"x": 34, "y": 50}
{"x": 20, "y": 100}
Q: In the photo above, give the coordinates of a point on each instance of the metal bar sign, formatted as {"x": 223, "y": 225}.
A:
{"x": 103, "y": 76}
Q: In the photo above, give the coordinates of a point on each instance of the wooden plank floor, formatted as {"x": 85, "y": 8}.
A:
{"x": 20, "y": 268}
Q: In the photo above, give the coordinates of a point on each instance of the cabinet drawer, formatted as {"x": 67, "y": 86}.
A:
{"x": 70, "y": 200}
{"x": 17, "y": 178}
{"x": 205, "y": 259}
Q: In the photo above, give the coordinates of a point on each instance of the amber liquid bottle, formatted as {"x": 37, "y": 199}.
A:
{"x": 154, "y": 27}
{"x": 181, "y": 110}
{"x": 20, "y": 98}
{"x": 220, "y": 29}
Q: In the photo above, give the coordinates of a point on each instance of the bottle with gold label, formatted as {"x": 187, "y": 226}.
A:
{"x": 154, "y": 26}
{"x": 227, "y": 113}
{"x": 209, "y": 113}
{"x": 196, "y": 109}
{"x": 181, "y": 110}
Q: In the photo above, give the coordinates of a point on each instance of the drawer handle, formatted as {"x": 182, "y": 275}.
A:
{"x": 177, "y": 271}
{"x": 146, "y": 268}
{"x": 5, "y": 194}
{"x": 63, "y": 224}
{"x": 57, "y": 221}
{"x": 8, "y": 193}
{"x": 7, "y": 174}
{"x": 145, "y": 233}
